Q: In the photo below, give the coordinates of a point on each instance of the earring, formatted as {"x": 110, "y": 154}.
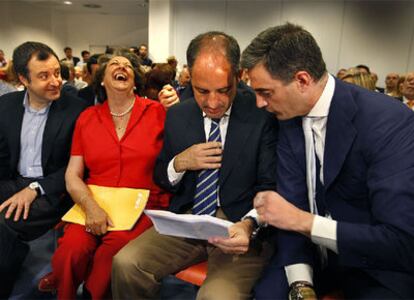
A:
{"x": 102, "y": 83}
{"x": 135, "y": 88}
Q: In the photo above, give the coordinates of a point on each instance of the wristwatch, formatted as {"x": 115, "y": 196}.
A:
{"x": 36, "y": 187}
{"x": 256, "y": 227}
{"x": 301, "y": 290}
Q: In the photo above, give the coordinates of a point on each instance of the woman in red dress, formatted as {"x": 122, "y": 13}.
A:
{"x": 114, "y": 145}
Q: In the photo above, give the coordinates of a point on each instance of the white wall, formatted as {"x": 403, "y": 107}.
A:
{"x": 377, "y": 33}
{"x": 93, "y": 31}
{"x": 23, "y": 22}
{"x": 20, "y": 22}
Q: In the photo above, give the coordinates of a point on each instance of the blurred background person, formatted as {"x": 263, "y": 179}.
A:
{"x": 143, "y": 54}
{"x": 341, "y": 73}
{"x": 69, "y": 58}
{"x": 183, "y": 79}
{"x": 355, "y": 76}
{"x": 157, "y": 78}
{"x": 85, "y": 57}
{"x": 391, "y": 85}
{"x": 408, "y": 90}
{"x": 3, "y": 61}
{"x": 130, "y": 129}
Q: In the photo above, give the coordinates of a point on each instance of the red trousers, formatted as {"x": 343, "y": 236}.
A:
{"x": 84, "y": 257}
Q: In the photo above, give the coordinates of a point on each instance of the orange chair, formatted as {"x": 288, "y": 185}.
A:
{"x": 196, "y": 274}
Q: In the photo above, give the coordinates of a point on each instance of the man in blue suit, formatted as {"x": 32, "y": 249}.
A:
{"x": 345, "y": 176}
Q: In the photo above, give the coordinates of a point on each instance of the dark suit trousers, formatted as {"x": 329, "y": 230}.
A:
{"x": 42, "y": 216}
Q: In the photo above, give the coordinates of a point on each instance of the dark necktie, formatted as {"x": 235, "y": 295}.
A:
{"x": 206, "y": 195}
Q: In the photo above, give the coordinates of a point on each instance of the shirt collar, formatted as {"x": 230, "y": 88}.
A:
{"x": 321, "y": 108}
{"x": 226, "y": 114}
{"x": 30, "y": 109}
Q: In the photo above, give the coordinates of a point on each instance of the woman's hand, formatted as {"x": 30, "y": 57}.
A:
{"x": 97, "y": 220}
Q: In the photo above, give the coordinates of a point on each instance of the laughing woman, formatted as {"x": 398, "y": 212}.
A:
{"x": 114, "y": 145}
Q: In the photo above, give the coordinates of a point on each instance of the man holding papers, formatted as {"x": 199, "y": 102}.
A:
{"x": 219, "y": 151}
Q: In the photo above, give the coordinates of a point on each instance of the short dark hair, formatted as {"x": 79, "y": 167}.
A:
{"x": 23, "y": 53}
{"x": 218, "y": 41}
{"x": 285, "y": 50}
{"x": 64, "y": 71}
{"x": 364, "y": 67}
{"x": 138, "y": 74}
{"x": 85, "y": 52}
{"x": 93, "y": 60}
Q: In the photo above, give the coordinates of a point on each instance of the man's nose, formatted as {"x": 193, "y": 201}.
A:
{"x": 213, "y": 100}
{"x": 260, "y": 102}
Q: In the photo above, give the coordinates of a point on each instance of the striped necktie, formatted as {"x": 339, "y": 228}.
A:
{"x": 206, "y": 195}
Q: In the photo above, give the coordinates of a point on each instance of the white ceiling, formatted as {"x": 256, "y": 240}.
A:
{"x": 115, "y": 7}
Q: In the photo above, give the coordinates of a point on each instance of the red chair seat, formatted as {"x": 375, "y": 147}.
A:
{"x": 195, "y": 274}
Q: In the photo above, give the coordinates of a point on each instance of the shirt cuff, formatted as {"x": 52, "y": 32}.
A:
{"x": 253, "y": 214}
{"x": 173, "y": 176}
{"x": 299, "y": 272}
{"x": 42, "y": 191}
{"x": 324, "y": 232}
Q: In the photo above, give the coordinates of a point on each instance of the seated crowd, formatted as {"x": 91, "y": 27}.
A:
{"x": 314, "y": 171}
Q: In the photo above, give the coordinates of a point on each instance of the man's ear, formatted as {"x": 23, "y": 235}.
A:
{"x": 303, "y": 80}
{"x": 23, "y": 80}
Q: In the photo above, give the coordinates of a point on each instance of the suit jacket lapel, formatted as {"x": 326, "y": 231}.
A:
{"x": 340, "y": 133}
{"x": 238, "y": 130}
{"x": 294, "y": 132}
{"x": 54, "y": 122}
{"x": 194, "y": 127}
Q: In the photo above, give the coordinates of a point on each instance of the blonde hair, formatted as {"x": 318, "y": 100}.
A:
{"x": 354, "y": 76}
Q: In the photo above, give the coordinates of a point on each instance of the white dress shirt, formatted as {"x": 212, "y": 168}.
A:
{"x": 323, "y": 228}
{"x": 175, "y": 177}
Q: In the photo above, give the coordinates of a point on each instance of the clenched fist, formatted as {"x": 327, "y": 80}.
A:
{"x": 199, "y": 157}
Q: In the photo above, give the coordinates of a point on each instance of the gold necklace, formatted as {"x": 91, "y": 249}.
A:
{"x": 119, "y": 115}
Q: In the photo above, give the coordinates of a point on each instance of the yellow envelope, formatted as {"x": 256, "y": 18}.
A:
{"x": 123, "y": 205}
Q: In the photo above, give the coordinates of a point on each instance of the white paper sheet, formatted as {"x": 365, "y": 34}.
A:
{"x": 190, "y": 226}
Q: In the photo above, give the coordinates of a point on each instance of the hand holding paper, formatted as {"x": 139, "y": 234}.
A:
{"x": 238, "y": 240}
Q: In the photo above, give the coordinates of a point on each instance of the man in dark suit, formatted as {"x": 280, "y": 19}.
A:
{"x": 35, "y": 136}
{"x": 345, "y": 176}
{"x": 239, "y": 158}
{"x": 69, "y": 58}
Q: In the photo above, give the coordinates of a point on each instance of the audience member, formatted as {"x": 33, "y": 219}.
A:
{"x": 143, "y": 54}
{"x": 391, "y": 84}
{"x": 11, "y": 77}
{"x": 6, "y": 88}
{"x": 69, "y": 58}
{"x": 363, "y": 69}
{"x": 85, "y": 57}
{"x": 408, "y": 90}
{"x": 157, "y": 78}
{"x": 35, "y": 133}
{"x": 3, "y": 61}
{"x": 341, "y": 73}
{"x": 355, "y": 76}
{"x": 67, "y": 86}
{"x": 345, "y": 176}
{"x": 183, "y": 79}
{"x": 230, "y": 179}
{"x": 400, "y": 87}
{"x": 130, "y": 130}
{"x": 88, "y": 93}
